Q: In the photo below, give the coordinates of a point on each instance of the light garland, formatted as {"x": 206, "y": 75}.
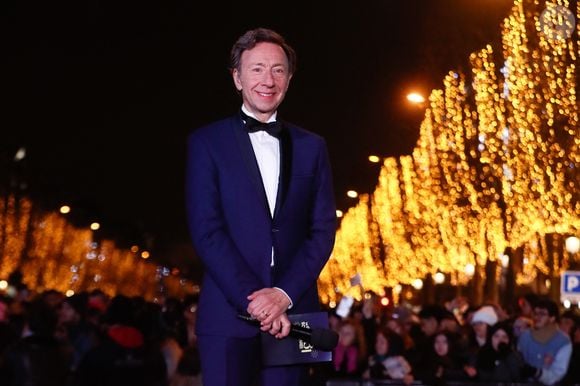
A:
{"x": 495, "y": 166}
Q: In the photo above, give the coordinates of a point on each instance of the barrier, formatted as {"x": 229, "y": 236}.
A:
{"x": 390, "y": 382}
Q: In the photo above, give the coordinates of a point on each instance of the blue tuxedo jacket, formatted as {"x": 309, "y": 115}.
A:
{"x": 233, "y": 231}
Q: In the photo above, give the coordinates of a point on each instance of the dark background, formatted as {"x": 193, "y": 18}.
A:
{"x": 102, "y": 94}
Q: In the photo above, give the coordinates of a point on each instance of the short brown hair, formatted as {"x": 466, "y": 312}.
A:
{"x": 259, "y": 35}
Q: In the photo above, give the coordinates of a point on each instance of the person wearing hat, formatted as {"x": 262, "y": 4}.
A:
{"x": 482, "y": 319}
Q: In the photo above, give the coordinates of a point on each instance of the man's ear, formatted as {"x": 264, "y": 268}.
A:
{"x": 236, "y": 78}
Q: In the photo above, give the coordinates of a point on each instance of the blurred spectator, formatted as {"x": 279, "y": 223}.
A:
{"x": 572, "y": 376}
{"x": 443, "y": 363}
{"x": 38, "y": 358}
{"x": 429, "y": 318}
{"x": 545, "y": 349}
{"x": 350, "y": 353}
{"x": 525, "y": 304}
{"x": 189, "y": 367}
{"x": 480, "y": 322}
{"x": 497, "y": 361}
{"x": 521, "y": 324}
{"x": 569, "y": 321}
{"x": 122, "y": 358}
{"x": 73, "y": 328}
{"x": 482, "y": 319}
{"x": 387, "y": 362}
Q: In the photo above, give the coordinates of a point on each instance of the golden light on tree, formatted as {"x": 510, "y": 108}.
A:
{"x": 51, "y": 253}
{"x": 495, "y": 169}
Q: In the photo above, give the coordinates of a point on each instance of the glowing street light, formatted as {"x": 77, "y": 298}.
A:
{"x": 20, "y": 154}
{"x": 572, "y": 244}
{"x": 339, "y": 213}
{"x": 95, "y": 226}
{"x": 352, "y": 194}
{"x": 470, "y": 269}
{"x": 417, "y": 284}
{"x": 64, "y": 209}
{"x": 415, "y": 98}
{"x": 374, "y": 159}
{"x": 439, "y": 277}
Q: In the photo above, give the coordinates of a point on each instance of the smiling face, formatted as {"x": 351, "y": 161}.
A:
{"x": 263, "y": 78}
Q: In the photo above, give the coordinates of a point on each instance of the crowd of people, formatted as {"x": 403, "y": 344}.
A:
{"x": 92, "y": 339}
{"x": 537, "y": 343}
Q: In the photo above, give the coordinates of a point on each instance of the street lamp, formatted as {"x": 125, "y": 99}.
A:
{"x": 374, "y": 159}
{"x": 572, "y": 244}
{"x": 439, "y": 278}
{"x": 415, "y": 98}
{"x": 352, "y": 193}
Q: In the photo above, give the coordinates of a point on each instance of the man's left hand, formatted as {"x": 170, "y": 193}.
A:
{"x": 267, "y": 304}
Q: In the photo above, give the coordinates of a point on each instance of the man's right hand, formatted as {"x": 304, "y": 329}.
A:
{"x": 280, "y": 327}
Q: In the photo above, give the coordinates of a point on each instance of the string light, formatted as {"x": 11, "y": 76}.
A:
{"x": 495, "y": 166}
{"x": 53, "y": 254}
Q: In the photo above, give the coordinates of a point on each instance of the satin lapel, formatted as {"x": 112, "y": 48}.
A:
{"x": 247, "y": 152}
{"x": 285, "y": 169}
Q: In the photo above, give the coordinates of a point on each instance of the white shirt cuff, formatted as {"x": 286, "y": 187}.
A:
{"x": 284, "y": 292}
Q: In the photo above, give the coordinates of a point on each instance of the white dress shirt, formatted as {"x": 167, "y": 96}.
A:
{"x": 267, "y": 151}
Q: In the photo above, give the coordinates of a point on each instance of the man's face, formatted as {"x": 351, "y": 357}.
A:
{"x": 263, "y": 78}
{"x": 542, "y": 318}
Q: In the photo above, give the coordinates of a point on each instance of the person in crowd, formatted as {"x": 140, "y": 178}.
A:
{"x": 521, "y": 324}
{"x": 525, "y": 304}
{"x": 73, "y": 327}
{"x": 189, "y": 367}
{"x": 349, "y": 355}
{"x": 401, "y": 323}
{"x": 444, "y": 362}
{"x": 260, "y": 206}
{"x": 546, "y": 350}
{"x": 369, "y": 319}
{"x": 430, "y": 317}
{"x": 124, "y": 356}
{"x": 569, "y": 320}
{"x": 38, "y": 358}
{"x": 388, "y": 361}
{"x": 572, "y": 376}
{"x": 497, "y": 360}
{"x": 449, "y": 323}
{"x": 482, "y": 320}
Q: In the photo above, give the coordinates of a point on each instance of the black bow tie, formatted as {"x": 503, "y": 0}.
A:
{"x": 253, "y": 125}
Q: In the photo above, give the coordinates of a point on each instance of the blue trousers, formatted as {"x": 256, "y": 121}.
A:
{"x": 227, "y": 361}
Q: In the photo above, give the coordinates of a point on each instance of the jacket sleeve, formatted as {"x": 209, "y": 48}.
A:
{"x": 558, "y": 368}
{"x": 209, "y": 232}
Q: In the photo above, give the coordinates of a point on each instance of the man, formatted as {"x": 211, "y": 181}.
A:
{"x": 546, "y": 350}
{"x": 262, "y": 217}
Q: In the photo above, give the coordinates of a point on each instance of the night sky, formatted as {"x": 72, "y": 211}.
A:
{"x": 103, "y": 93}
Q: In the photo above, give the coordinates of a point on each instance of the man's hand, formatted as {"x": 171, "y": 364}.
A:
{"x": 267, "y": 305}
{"x": 280, "y": 327}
